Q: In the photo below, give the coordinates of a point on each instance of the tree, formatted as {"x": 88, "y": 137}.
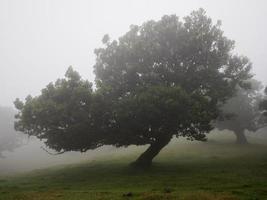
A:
{"x": 9, "y": 139}
{"x": 161, "y": 79}
{"x": 263, "y": 104}
{"x": 242, "y": 112}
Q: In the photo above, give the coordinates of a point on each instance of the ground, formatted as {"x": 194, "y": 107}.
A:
{"x": 214, "y": 170}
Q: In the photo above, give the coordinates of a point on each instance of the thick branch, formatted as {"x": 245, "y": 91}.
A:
{"x": 145, "y": 159}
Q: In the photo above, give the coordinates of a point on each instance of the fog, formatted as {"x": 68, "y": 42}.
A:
{"x": 31, "y": 156}
{"x": 40, "y": 39}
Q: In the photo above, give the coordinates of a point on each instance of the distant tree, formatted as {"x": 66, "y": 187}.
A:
{"x": 9, "y": 139}
{"x": 161, "y": 79}
{"x": 242, "y": 113}
{"x": 263, "y": 104}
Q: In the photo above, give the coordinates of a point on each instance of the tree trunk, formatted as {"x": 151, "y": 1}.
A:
{"x": 145, "y": 159}
{"x": 240, "y": 137}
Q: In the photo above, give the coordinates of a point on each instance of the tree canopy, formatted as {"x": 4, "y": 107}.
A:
{"x": 161, "y": 79}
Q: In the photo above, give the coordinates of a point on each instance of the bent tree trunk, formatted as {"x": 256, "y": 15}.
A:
{"x": 145, "y": 159}
{"x": 240, "y": 137}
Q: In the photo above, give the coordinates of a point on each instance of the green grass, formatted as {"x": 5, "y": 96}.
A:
{"x": 182, "y": 171}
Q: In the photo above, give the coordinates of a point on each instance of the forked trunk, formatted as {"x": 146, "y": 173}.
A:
{"x": 241, "y": 137}
{"x": 145, "y": 159}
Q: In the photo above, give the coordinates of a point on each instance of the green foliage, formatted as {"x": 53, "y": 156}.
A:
{"x": 155, "y": 111}
{"x": 161, "y": 79}
{"x": 61, "y": 114}
{"x": 194, "y": 55}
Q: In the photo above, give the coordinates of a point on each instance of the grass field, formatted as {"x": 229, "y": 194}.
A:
{"x": 182, "y": 171}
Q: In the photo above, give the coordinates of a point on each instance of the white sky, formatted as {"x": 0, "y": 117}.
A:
{"x": 39, "y": 39}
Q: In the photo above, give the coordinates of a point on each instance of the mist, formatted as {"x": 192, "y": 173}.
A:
{"x": 133, "y": 99}
{"x": 30, "y": 156}
{"x": 40, "y": 40}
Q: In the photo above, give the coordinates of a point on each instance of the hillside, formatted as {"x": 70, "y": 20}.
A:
{"x": 183, "y": 170}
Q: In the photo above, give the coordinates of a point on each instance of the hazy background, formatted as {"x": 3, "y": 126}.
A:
{"x": 39, "y": 39}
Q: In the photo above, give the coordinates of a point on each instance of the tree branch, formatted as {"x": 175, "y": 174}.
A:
{"x": 54, "y": 154}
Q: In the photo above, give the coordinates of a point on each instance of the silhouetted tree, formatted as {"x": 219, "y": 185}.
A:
{"x": 9, "y": 139}
{"x": 161, "y": 79}
{"x": 242, "y": 112}
{"x": 263, "y": 104}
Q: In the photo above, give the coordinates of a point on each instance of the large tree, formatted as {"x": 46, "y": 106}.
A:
{"x": 161, "y": 79}
{"x": 241, "y": 112}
